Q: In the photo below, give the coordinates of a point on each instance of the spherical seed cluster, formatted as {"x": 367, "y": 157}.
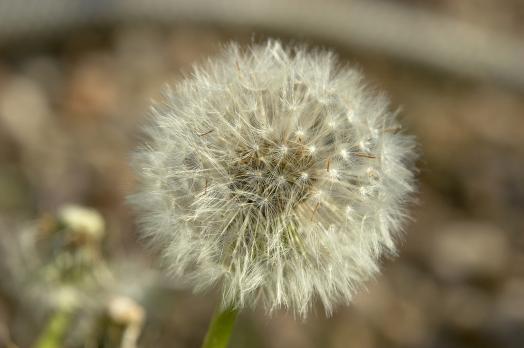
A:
{"x": 275, "y": 174}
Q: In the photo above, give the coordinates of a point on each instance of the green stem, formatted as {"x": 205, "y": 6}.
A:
{"x": 56, "y": 329}
{"x": 220, "y": 328}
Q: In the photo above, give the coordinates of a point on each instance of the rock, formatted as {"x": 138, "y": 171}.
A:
{"x": 466, "y": 308}
{"x": 24, "y": 112}
{"x": 465, "y": 250}
{"x": 510, "y": 301}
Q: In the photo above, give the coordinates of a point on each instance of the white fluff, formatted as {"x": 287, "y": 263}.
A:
{"x": 275, "y": 174}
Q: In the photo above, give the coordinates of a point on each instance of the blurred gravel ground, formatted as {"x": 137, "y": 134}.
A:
{"x": 70, "y": 114}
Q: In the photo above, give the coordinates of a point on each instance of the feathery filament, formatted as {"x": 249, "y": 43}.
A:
{"x": 277, "y": 174}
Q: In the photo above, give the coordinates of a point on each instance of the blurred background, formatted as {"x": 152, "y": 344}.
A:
{"x": 76, "y": 79}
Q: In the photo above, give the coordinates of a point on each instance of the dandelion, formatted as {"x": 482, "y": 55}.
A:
{"x": 276, "y": 174}
{"x": 54, "y": 266}
{"x": 83, "y": 220}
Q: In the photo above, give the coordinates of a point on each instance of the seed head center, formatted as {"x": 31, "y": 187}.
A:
{"x": 272, "y": 176}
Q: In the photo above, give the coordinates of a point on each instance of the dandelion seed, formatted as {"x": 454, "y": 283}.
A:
{"x": 286, "y": 196}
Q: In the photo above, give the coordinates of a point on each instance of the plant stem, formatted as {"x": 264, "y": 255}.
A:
{"x": 55, "y": 330}
{"x": 220, "y": 328}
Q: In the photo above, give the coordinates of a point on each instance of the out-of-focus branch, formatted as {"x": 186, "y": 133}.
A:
{"x": 55, "y": 330}
{"x": 395, "y": 30}
{"x": 5, "y": 337}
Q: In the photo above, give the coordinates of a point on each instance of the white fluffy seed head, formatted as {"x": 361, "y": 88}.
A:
{"x": 275, "y": 174}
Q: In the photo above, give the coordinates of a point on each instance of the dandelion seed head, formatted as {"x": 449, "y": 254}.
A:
{"x": 83, "y": 220}
{"x": 261, "y": 175}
